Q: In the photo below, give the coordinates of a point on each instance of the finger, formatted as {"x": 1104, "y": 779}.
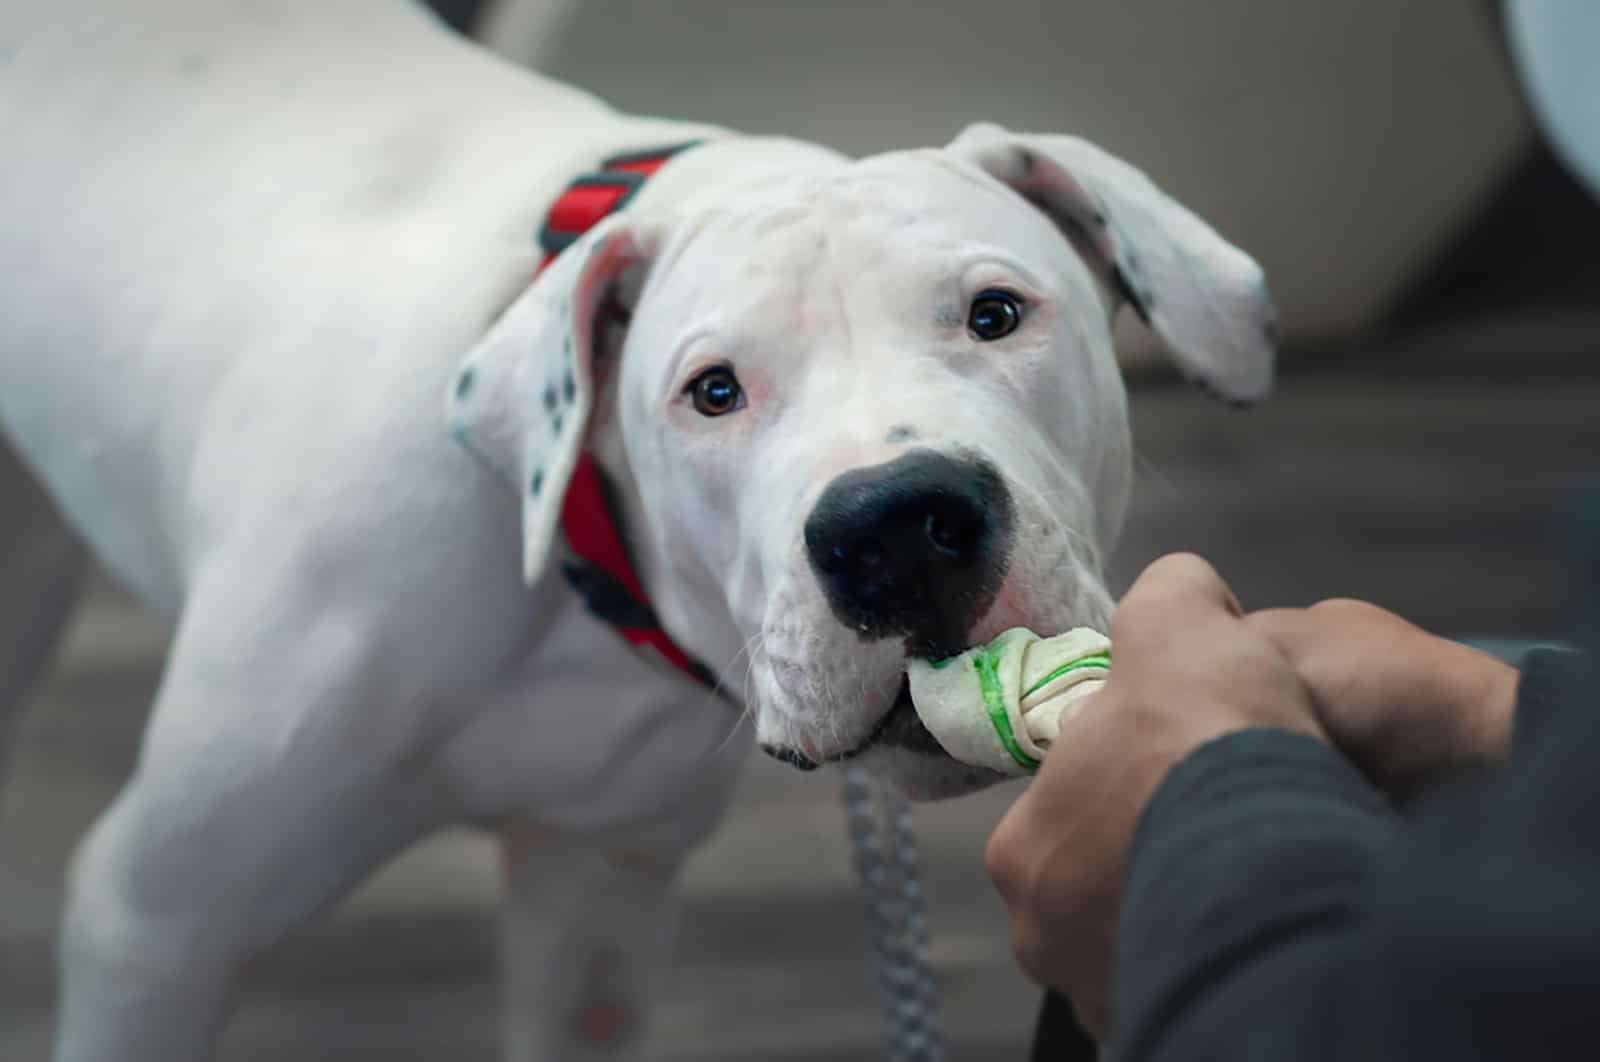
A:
{"x": 1336, "y": 628}
{"x": 1004, "y": 856}
{"x": 1183, "y": 577}
{"x": 1291, "y": 630}
{"x": 1094, "y": 1014}
{"x": 1027, "y": 949}
{"x": 1179, "y": 588}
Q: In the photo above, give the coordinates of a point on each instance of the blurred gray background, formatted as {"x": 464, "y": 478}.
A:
{"x": 1437, "y": 274}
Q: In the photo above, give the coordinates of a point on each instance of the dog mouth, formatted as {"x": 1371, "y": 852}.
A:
{"x": 899, "y": 728}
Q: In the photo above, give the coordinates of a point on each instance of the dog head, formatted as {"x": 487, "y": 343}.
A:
{"x": 861, "y": 411}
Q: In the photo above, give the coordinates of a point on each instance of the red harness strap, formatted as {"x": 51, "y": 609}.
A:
{"x": 604, "y": 576}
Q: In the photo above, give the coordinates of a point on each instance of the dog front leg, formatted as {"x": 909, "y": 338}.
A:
{"x": 265, "y": 789}
{"x": 41, "y": 567}
{"x": 162, "y": 915}
{"x": 585, "y": 934}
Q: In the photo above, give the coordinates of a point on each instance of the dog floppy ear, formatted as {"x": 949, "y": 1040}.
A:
{"x": 1206, "y": 299}
{"x": 525, "y": 394}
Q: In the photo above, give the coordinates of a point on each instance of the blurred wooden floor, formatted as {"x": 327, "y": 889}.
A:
{"x": 1430, "y": 491}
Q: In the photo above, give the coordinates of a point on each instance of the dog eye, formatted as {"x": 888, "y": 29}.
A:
{"x": 716, "y": 392}
{"x": 994, "y": 315}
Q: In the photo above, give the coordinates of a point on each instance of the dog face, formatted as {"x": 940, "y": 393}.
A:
{"x": 871, "y": 411}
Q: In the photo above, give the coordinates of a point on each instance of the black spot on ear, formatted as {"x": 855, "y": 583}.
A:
{"x": 566, "y": 345}
{"x": 555, "y": 423}
{"x": 550, "y": 398}
{"x": 1100, "y": 217}
{"x": 1215, "y": 393}
{"x": 1141, "y": 301}
{"x": 536, "y": 483}
{"x": 1026, "y": 162}
{"x": 569, "y": 387}
{"x": 900, "y": 433}
{"x": 464, "y": 383}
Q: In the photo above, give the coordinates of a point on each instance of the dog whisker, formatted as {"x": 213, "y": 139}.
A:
{"x": 752, "y": 645}
{"x": 1047, "y": 500}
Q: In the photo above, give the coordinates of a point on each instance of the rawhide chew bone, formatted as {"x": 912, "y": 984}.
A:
{"x": 1000, "y": 705}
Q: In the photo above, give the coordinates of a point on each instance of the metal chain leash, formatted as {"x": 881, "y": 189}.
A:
{"x": 879, "y": 818}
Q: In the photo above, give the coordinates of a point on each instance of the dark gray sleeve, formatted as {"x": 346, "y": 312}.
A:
{"x": 1550, "y": 677}
{"x": 1247, "y": 876}
{"x": 1277, "y": 907}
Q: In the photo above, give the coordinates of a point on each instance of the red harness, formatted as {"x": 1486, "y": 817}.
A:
{"x": 604, "y": 575}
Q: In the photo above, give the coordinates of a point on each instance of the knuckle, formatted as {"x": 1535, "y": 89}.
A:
{"x": 1184, "y": 565}
{"x": 1288, "y": 629}
{"x": 1345, "y": 620}
{"x": 1178, "y": 574}
{"x": 1171, "y": 591}
{"x": 1272, "y": 621}
{"x": 1000, "y": 860}
{"x": 1344, "y": 607}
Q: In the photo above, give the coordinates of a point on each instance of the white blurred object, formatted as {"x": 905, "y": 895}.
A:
{"x": 1342, "y": 144}
{"x": 1556, "y": 46}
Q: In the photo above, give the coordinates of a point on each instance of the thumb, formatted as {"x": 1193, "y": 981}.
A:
{"x": 1176, "y": 589}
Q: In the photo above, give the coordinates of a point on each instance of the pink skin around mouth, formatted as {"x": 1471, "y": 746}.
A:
{"x": 1008, "y": 611}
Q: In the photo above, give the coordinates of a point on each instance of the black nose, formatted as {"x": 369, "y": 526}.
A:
{"x": 915, "y": 548}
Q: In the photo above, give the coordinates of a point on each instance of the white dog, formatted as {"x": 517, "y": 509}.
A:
{"x": 267, "y": 304}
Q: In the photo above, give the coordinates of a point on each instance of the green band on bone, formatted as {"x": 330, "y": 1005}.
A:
{"x": 1099, "y": 661}
{"x": 994, "y": 701}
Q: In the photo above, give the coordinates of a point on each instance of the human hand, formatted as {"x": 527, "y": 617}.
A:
{"x": 1188, "y": 669}
{"x": 1404, "y": 705}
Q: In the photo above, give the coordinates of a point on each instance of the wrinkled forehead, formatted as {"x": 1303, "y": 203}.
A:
{"x": 888, "y": 225}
